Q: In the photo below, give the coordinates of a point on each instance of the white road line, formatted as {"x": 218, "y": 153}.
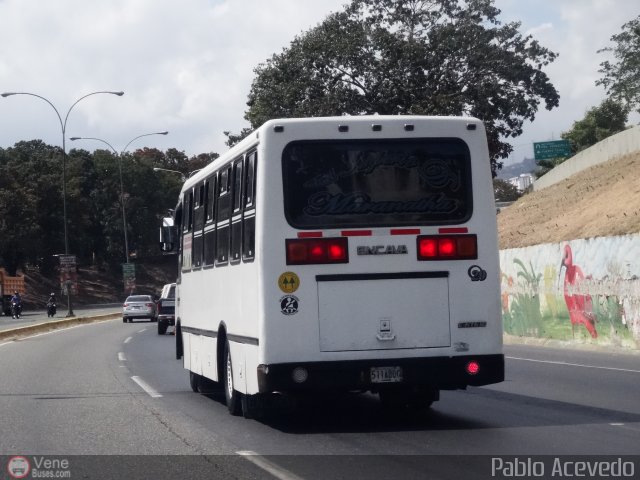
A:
{"x": 121, "y": 357}
{"x": 145, "y": 386}
{"x": 128, "y": 339}
{"x": 567, "y": 364}
{"x": 6, "y": 343}
{"x": 140, "y": 331}
{"x": 268, "y": 466}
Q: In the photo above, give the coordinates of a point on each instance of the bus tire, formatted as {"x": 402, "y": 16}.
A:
{"x": 194, "y": 381}
{"x": 231, "y": 395}
{"x": 402, "y": 400}
{"x": 162, "y": 328}
{"x": 179, "y": 347}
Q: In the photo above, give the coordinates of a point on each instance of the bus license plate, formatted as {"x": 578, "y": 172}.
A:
{"x": 386, "y": 374}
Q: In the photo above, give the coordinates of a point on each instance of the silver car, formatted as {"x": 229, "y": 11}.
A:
{"x": 139, "y": 306}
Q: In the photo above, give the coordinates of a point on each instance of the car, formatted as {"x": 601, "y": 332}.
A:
{"x": 166, "y": 308}
{"x": 139, "y": 306}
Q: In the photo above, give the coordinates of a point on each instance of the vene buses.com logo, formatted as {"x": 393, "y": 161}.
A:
{"x": 18, "y": 467}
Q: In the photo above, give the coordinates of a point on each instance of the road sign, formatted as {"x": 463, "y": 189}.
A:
{"x": 68, "y": 274}
{"x": 554, "y": 149}
{"x": 129, "y": 276}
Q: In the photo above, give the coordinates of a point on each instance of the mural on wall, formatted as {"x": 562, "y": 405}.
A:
{"x": 582, "y": 290}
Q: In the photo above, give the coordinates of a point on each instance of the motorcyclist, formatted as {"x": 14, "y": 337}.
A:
{"x": 16, "y": 303}
{"x": 51, "y": 305}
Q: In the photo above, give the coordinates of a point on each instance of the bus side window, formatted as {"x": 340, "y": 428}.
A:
{"x": 236, "y": 208}
{"x": 187, "y": 231}
{"x": 198, "y": 224}
{"x": 223, "y": 214}
{"x": 210, "y": 232}
{"x": 249, "y": 208}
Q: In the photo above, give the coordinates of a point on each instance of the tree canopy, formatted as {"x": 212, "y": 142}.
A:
{"x": 621, "y": 77}
{"x": 31, "y": 206}
{"x": 444, "y": 57}
{"x": 599, "y": 122}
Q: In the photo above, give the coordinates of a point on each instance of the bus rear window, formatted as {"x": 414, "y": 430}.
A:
{"x": 336, "y": 184}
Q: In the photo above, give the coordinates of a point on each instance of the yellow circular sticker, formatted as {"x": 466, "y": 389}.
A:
{"x": 288, "y": 282}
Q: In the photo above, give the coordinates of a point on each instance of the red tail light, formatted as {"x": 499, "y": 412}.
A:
{"x": 149, "y": 304}
{"x": 473, "y": 367}
{"x": 447, "y": 247}
{"x": 315, "y": 251}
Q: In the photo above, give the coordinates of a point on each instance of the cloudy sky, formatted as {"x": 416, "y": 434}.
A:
{"x": 187, "y": 66}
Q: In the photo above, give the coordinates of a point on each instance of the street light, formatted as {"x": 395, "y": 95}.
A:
{"x": 158, "y": 169}
{"x": 63, "y": 126}
{"x": 119, "y": 155}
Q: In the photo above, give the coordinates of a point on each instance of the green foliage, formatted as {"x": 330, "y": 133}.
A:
{"x": 599, "y": 122}
{"x": 504, "y": 191}
{"x": 524, "y": 317}
{"x": 31, "y": 205}
{"x": 410, "y": 57}
{"x": 544, "y": 166}
{"x": 621, "y": 77}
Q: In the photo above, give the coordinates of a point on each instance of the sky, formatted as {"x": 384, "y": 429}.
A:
{"x": 186, "y": 67}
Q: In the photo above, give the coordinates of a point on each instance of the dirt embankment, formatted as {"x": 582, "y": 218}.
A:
{"x": 99, "y": 286}
{"x": 603, "y": 200}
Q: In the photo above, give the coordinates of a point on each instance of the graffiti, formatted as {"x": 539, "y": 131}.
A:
{"x": 580, "y": 305}
{"x": 524, "y": 317}
{"x": 594, "y": 299}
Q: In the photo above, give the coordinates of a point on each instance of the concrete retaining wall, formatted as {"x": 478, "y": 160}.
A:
{"x": 612, "y": 147}
{"x": 583, "y": 291}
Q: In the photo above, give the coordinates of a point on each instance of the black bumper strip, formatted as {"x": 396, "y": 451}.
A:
{"x": 380, "y": 276}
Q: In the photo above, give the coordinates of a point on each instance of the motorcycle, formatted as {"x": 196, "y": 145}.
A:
{"x": 16, "y": 309}
{"x": 51, "y": 309}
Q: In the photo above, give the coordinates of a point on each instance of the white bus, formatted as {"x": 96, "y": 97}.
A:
{"x": 341, "y": 254}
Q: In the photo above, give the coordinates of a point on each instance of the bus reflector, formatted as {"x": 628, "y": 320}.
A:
{"x": 314, "y": 251}
{"x": 473, "y": 367}
{"x": 447, "y": 247}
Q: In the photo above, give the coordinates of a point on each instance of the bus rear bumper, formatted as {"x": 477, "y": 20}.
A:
{"x": 441, "y": 373}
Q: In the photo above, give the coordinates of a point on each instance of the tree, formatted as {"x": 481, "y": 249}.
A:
{"x": 621, "y": 78}
{"x": 410, "y": 57}
{"x": 505, "y": 191}
{"x": 599, "y": 122}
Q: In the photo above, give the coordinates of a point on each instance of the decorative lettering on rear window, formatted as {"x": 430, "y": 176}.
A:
{"x": 333, "y": 184}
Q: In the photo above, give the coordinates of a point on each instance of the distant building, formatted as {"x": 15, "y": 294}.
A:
{"x": 522, "y": 182}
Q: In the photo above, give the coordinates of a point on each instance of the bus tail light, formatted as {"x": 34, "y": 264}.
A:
{"x": 315, "y": 251}
{"x": 473, "y": 367}
{"x": 447, "y": 247}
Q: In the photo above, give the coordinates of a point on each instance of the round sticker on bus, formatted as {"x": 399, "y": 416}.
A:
{"x": 289, "y": 305}
{"x": 288, "y": 282}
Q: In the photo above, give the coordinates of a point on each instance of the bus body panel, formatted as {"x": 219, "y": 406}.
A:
{"x": 426, "y": 316}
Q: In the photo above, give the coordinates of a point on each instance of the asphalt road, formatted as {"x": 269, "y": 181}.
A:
{"x": 115, "y": 389}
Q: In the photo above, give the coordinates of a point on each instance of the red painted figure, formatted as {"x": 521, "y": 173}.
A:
{"x": 579, "y": 305}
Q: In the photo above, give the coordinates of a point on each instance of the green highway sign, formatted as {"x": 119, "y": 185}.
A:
{"x": 554, "y": 149}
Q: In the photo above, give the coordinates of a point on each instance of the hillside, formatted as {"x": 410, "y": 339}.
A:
{"x": 603, "y": 200}
{"x": 99, "y": 285}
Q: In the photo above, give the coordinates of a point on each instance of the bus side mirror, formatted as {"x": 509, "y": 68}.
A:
{"x": 168, "y": 238}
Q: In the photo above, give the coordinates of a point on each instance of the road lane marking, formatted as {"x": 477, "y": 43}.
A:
{"x": 6, "y": 343}
{"x": 268, "y": 466}
{"x": 121, "y": 357}
{"x": 146, "y": 387}
{"x": 128, "y": 339}
{"x": 567, "y": 364}
{"x": 140, "y": 331}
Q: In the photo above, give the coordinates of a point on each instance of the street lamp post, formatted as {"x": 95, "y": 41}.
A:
{"x": 158, "y": 169}
{"x": 63, "y": 126}
{"x": 119, "y": 155}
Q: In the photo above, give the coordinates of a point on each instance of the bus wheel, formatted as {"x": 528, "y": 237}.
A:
{"x": 194, "y": 381}
{"x": 230, "y": 394}
{"x": 401, "y": 399}
{"x": 179, "y": 347}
